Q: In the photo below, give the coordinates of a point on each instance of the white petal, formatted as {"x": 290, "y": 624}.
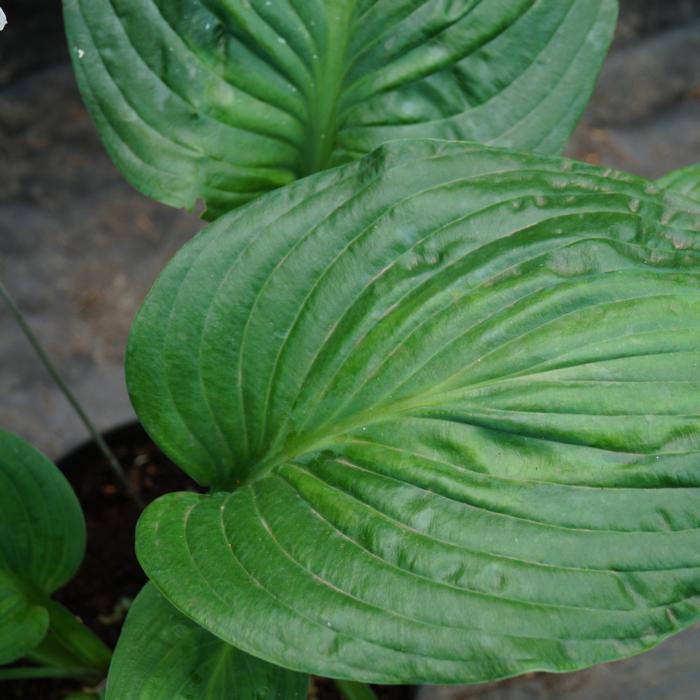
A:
{"x": 3, "y": 20}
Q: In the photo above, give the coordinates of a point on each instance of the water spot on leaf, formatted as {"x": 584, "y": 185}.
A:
{"x": 671, "y": 617}
{"x": 568, "y": 263}
{"x": 680, "y": 242}
{"x": 411, "y": 262}
{"x": 668, "y": 216}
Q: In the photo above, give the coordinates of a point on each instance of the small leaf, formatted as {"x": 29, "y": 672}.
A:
{"x": 23, "y": 623}
{"x": 448, "y": 400}
{"x": 42, "y": 542}
{"x": 162, "y": 655}
{"x": 685, "y": 181}
{"x": 225, "y": 100}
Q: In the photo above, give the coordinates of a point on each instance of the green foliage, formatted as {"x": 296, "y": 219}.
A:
{"x": 23, "y": 623}
{"x": 225, "y": 99}
{"x": 685, "y": 181}
{"x": 42, "y": 541}
{"x": 447, "y": 398}
{"x": 161, "y": 655}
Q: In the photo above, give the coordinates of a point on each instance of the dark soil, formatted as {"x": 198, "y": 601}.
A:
{"x": 110, "y": 576}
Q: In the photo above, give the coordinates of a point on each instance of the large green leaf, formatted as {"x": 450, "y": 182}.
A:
{"x": 162, "y": 655}
{"x": 225, "y": 99}
{"x": 448, "y": 398}
{"x": 42, "y": 541}
{"x": 684, "y": 181}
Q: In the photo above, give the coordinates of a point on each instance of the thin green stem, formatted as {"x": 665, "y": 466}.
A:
{"x": 355, "y": 691}
{"x": 53, "y": 654}
{"x": 70, "y": 397}
{"x": 70, "y": 648}
{"x": 21, "y": 672}
{"x": 83, "y": 644}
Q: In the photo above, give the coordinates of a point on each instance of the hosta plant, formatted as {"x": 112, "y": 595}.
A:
{"x": 221, "y": 100}
{"x": 443, "y": 395}
{"x": 42, "y": 542}
{"x": 446, "y": 401}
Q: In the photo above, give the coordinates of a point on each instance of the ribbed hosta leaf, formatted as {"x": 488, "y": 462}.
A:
{"x": 448, "y": 398}
{"x": 42, "y": 540}
{"x": 162, "y": 655}
{"x": 225, "y": 99}
{"x": 685, "y": 181}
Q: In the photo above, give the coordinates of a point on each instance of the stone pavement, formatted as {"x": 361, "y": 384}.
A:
{"x": 79, "y": 249}
{"x": 644, "y": 116}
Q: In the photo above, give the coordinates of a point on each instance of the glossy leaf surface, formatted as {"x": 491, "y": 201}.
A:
{"x": 162, "y": 655}
{"x": 685, "y": 181}
{"x": 225, "y": 99}
{"x": 448, "y": 399}
{"x": 42, "y": 541}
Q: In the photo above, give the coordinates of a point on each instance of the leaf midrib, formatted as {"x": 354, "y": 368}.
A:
{"x": 330, "y": 70}
{"x": 323, "y": 438}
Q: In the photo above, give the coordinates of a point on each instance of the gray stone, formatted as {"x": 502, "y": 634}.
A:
{"x": 79, "y": 249}
{"x": 645, "y": 111}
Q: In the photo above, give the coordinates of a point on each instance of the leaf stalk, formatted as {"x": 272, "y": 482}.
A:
{"x": 70, "y": 645}
{"x": 111, "y": 458}
{"x": 27, "y": 672}
{"x": 351, "y": 690}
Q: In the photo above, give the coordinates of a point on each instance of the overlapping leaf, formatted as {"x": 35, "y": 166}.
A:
{"x": 163, "y": 655}
{"x": 225, "y": 99}
{"x": 42, "y": 541}
{"x": 448, "y": 398}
